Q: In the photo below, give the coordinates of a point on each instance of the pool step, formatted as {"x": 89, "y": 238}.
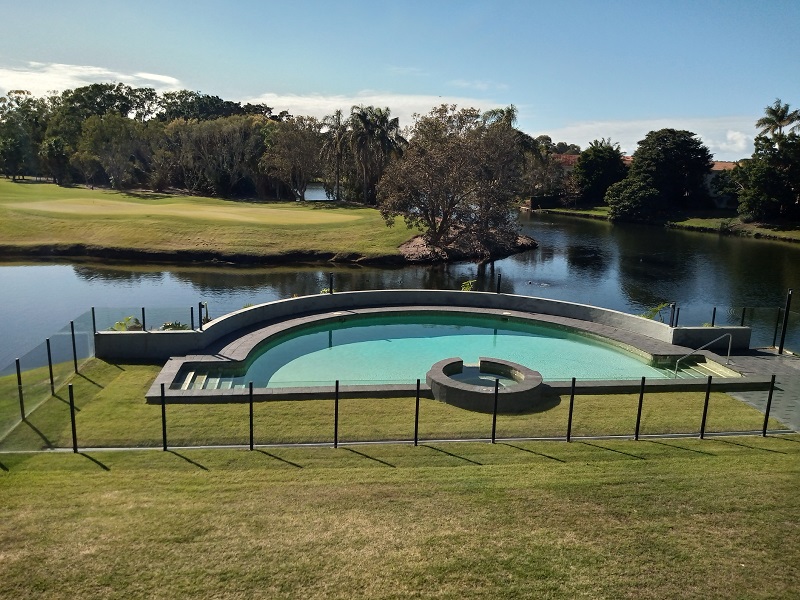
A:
{"x": 187, "y": 382}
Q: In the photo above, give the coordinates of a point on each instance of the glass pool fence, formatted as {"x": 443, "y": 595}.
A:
{"x": 33, "y": 390}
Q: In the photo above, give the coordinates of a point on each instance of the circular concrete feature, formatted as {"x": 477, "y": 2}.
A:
{"x": 472, "y": 388}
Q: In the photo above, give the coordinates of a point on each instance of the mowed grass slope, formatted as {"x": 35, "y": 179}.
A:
{"x": 34, "y": 214}
{"x": 650, "y": 519}
{"x": 661, "y": 518}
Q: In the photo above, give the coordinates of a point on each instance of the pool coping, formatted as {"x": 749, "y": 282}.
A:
{"x": 237, "y": 346}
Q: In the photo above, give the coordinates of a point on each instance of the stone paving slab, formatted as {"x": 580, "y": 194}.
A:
{"x": 786, "y": 396}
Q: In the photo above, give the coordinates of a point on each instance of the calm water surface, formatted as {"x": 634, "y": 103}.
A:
{"x": 593, "y": 262}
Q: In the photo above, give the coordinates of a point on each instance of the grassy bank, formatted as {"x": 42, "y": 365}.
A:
{"x": 591, "y": 519}
{"x": 112, "y": 413}
{"x": 660, "y": 519}
{"x": 76, "y": 219}
{"x": 719, "y": 222}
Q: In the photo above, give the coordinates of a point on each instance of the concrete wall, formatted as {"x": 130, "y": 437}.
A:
{"x": 160, "y": 345}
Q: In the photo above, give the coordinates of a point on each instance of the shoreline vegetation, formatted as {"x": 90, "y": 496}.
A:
{"x": 721, "y": 223}
{"x": 42, "y": 221}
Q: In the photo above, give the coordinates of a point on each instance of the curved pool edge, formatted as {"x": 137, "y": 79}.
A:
{"x": 161, "y": 345}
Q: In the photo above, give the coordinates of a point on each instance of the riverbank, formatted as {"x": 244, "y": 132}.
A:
{"x": 43, "y": 221}
{"x": 721, "y": 223}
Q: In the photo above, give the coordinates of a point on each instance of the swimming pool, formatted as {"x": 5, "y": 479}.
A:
{"x": 381, "y": 349}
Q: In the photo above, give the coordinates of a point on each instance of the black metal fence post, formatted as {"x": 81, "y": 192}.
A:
{"x": 330, "y": 283}
{"x": 571, "y": 405}
{"x": 785, "y": 319}
{"x": 94, "y": 321}
{"x": 499, "y": 279}
{"x": 705, "y": 409}
{"x": 50, "y": 367}
{"x": 144, "y": 322}
{"x": 163, "y": 419}
{"x": 74, "y": 347}
{"x": 677, "y": 316}
{"x": 416, "y": 417}
{"x": 191, "y": 317}
{"x": 769, "y": 406}
{"x": 744, "y": 312}
{"x": 671, "y": 314}
{"x": 494, "y": 411}
{"x": 714, "y": 316}
{"x": 19, "y": 391}
{"x": 639, "y": 410}
{"x": 336, "y": 417}
{"x": 72, "y": 420}
{"x": 200, "y": 315}
{"x": 251, "y": 413}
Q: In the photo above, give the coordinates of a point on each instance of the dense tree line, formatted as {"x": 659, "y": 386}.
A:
{"x": 124, "y": 137}
{"x": 767, "y": 185}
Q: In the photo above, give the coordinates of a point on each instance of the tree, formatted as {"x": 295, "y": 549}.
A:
{"x": 768, "y": 183}
{"x": 113, "y": 141}
{"x": 673, "y": 164}
{"x": 456, "y": 179}
{"x": 677, "y": 162}
{"x": 598, "y": 168}
{"x": 374, "y": 139}
{"x": 633, "y": 199}
{"x": 227, "y": 149}
{"x": 334, "y": 146}
{"x": 776, "y": 117}
{"x": 292, "y": 152}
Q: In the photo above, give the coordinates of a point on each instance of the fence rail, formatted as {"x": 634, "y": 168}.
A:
{"x": 35, "y": 384}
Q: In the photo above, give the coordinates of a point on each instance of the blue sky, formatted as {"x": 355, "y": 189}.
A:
{"x": 576, "y": 70}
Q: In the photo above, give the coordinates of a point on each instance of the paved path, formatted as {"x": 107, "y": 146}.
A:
{"x": 786, "y": 368}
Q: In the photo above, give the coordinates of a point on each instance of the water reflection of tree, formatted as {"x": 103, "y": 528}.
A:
{"x": 653, "y": 269}
{"x": 116, "y": 275}
{"x": 588, "y": 260}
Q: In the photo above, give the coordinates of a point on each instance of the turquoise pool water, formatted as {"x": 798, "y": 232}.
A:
{"x": 399, "y": 349}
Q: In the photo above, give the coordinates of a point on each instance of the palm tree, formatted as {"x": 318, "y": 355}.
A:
{"x": 776, "y": 117}
{"x": 374, "y": 139}
{"x": 333, "y": 146}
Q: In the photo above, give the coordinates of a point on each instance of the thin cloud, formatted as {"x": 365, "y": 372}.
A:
{"x": 403, "y": 106}
{"x": 728, "y": 138}
{"x": 41, "y": 78}
{"x": 410, "y": 71}
{"x": 478, "y": 84}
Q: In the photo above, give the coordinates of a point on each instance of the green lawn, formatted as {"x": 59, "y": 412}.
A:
{"x": 649, "y": 519}
{"x": 713, "y": 221}
{"x": 661, "y": 518}
{"x": 112, "y": 413}
{"x": 33, "y": 214}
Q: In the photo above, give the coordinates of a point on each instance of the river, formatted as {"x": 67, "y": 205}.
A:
{"x": 628, "y": 268}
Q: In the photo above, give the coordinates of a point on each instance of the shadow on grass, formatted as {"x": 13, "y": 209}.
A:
{"x": 3, "y": 467}
{"x": 147, "y": 195}
{"x": 469, "y": 460}
{"x": 33, "y": 427}
{"x": 532, "y": 451}
{"x": 65, "y": 401}
{"x": 680, "y": 447}
{"x": 283, "y": 460}
{"x": 189, "y": 460}
{"x": 95, "y": 461}
{"x": 748, "y": 446}
{"x": 92, "y": 381}
{"x": 785, "y": 439}
{"x": 378, "y": 460}
{"x": 613, "y": 450}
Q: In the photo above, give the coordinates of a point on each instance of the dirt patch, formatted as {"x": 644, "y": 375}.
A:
{"x": 417, "y": 250}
